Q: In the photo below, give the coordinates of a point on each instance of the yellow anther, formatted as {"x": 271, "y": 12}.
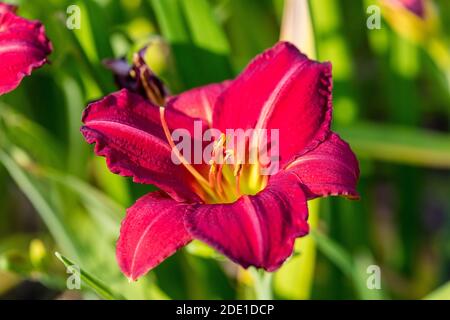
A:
{"x": 222, "y": 139}
{"x": 219, "y": 180}
{"x": 219, "y": 143}
{"x": 237, "y": 169}
{"x": 228, "y": 154}
{"x": 212, "y": 175}
{"x": 238, "y": 185}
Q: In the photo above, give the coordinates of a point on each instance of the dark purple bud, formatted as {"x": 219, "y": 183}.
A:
{"x": 138, "y": 77}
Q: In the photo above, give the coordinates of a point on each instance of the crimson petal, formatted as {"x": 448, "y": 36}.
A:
{"x": 255, "y": 230}
{"x": 127, "y": 130}
{"x": 199, "y": 102}
{"x": 280, "y": 89}
{"x": 330, "y": 169}
{"x": 6, "y": 7}
{"x": 152, "y": 230}
{"x": 23, "y": 47}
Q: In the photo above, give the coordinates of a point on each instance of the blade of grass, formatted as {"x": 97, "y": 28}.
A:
{"x": 204, "y": 28}
{"x": 207, "y": 34}
{"x": 106, "y": 210}
{"x": 198, "y": 44}
{"x": 343, "y": 260}
{"x": 101, "y": 289}
{"x": 48, "y": 215}
{"x": 174, "y": 29}
{"x": 170, "y": 20}
{"x": 96, "y": 79}
{"x": 76, "y": 155}
{"x": 28, "y": 135}
{"x": 252, "y": 27}
{"x": 398, "y": 144}
{"x": 116, "y": 187}
{"x": 442, "y": 293}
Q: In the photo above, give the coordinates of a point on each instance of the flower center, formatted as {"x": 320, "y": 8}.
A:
{"x": 228, "y": 177}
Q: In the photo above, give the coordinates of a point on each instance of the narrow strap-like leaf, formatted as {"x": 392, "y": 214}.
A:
{"x": 101, "y": 289}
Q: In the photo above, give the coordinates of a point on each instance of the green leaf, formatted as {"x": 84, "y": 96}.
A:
{"x": 205, "y": 30}
{"x": 202, "y": 250}
{"x": 336, "y": 254}
{"x": 355, "y": 271}
{"x": 95, "y": 284}
{"x": 398, "y": 144}
{"x": 207, "y": 34}
{"x": 170, "y": 20}
{"x": 173, "y": 28}
{"x": 113, "y": 185}
{"x": 77, "y": 149}
{"x": 107, "y": 211}
{"x": 442, "y": 293}
{"x": 34, "y": 194}
{"x": 361, "y": 276}
{"x": 29, "y": 135}
{"x": 91, "y": 46}
{"x": 251, "y": 27}
{"x": 198, "y": 44}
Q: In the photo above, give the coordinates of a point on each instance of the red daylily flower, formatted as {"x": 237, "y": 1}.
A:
{"x": 251, "y": 218}
{"x": 23, "y": 47}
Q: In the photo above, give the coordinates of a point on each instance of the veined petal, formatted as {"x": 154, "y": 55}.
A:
{"x": 7, "y": 7}
{"x": 23, "y": 47}
{"x": 255, "y": 230}
{"x": 281, "y": 89}
{"x": 198, "y": 102}
{"x": 153, "y": 230}
{"x": 329, "y": 170}
{"x": 127, "y": 130}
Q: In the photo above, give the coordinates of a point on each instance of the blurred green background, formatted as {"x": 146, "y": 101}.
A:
{"x": 391, "y": 103}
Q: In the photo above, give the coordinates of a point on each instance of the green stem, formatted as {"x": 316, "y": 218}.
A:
{"x": 262, "y": 284}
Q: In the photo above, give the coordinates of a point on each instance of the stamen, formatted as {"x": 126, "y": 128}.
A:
{"x": 238, "y": 184}
{"x": 237, "y": 173}
{"x": 219, "y": 179}
{"x": 228, "y": 154}
{"x": 237, "y": 169}
{"x": 221, "y": 140}
{"x": 254, "y": 176}
{"x": 212, "y": 174}
{"x": 218, "y": 148}
{"x": 190, "y": 168}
